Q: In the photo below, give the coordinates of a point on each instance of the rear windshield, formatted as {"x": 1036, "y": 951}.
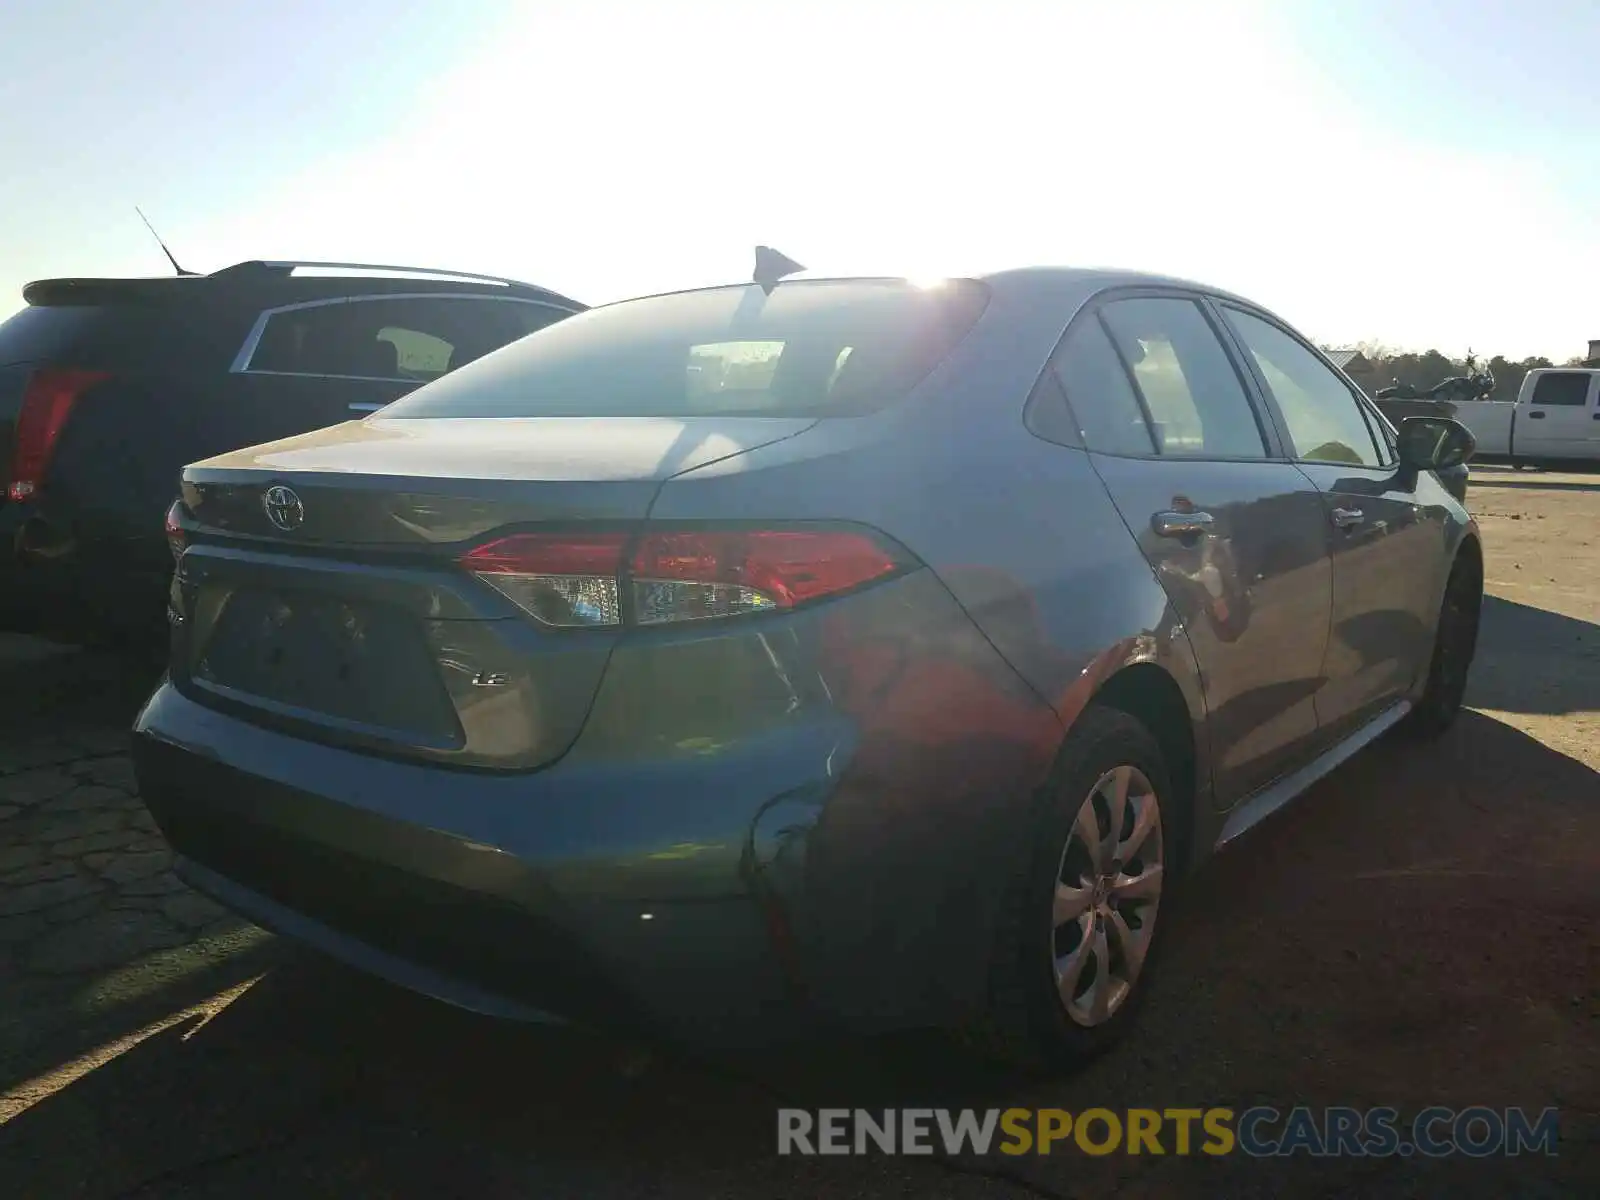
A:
{"x": 824, "y": 347}
{"x": 137, "y": 336}
{"x": 43, "y": 334}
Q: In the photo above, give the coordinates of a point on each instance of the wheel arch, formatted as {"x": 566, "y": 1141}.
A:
{"x": 1470, "y": 549}
{"x": 1147, "y": 692}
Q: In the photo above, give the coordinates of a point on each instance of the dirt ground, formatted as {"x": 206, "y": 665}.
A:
{"x": 1423, "y": 928}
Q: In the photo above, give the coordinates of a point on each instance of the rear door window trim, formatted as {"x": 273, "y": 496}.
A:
{"x": 1271, "y": 437}
{"x": 241, "y": 360}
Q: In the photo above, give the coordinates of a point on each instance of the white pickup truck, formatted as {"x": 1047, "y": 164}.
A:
{"x": 1555, "y": 418}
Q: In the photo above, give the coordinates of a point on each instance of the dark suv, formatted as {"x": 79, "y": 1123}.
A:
{"x": 109, "y": 386}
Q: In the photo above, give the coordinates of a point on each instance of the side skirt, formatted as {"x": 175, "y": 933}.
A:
{"x": 1254, "y": 809}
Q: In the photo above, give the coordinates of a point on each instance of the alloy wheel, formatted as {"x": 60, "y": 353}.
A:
{"x": 1108, "y": 889}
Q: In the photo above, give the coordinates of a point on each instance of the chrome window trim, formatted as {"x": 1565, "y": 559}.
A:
{"x": 241, "y": 360}
{"x": 419, "y": 272}
{"x": 1384, "y": 431}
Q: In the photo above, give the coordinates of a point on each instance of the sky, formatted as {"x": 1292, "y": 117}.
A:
{"x": 1407, "y": 172}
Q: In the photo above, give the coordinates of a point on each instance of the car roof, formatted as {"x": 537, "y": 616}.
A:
{"x": 280, "y": 282}
{"x": 1068, "y": 284}
{"x": 1053, "y": 286}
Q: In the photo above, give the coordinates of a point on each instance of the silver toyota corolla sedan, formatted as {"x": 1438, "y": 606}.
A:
{"x": 813, "y": 655}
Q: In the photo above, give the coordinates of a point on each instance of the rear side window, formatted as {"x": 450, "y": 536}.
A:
{"x": 1562, "y": 389}
{"x": 522, "y": 318}
{"x": 811, "y": 348}
{"x": 1197, "y": 405}
{"x": 416, "y": 352}
{"x": 414, "y": 339}
{"x": 1099, "y": 394}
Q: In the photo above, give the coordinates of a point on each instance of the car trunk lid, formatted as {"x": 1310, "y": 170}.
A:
{"x": 399, "y": 483}
{"x": 320, "y": 588}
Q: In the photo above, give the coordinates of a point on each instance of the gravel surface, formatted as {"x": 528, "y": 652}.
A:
{"x": 1423, "y": 928}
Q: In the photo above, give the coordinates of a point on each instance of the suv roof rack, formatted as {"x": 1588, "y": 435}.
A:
{"x": 289, "y": 266}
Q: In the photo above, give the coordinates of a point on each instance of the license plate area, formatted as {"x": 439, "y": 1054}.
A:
{"x": 308, "y": 654}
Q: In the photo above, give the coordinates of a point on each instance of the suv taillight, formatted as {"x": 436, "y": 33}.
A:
{"x": 576, "y": 580}
{"x": 46, "y": 404}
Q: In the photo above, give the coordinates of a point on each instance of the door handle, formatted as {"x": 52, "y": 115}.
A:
{"x": 1536, "y": 416}
{"x": 1346, "y": 518}
{"x": 1181, "y": 524}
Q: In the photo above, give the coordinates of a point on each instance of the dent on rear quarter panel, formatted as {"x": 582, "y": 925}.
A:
{"x": 890, "y": 752}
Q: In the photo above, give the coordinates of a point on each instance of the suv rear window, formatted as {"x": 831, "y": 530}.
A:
{"x": 139, "y": 335}
{"x": 811, "y": 348}
{"x": 39, "y": 334}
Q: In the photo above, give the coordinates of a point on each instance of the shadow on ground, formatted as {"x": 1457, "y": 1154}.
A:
{"x": 1543, "y": 662}
{"x": 1534, "y": 481}
{"x": 1504, "y": 475}
{"x": 41, "y": 682}
{"x": 1418, "y": 930}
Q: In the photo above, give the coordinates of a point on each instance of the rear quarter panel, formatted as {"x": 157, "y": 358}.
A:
{"x": 1051, "y": 597}
{"x": 13, "y": 380}
{"x": 1020, "y": 530}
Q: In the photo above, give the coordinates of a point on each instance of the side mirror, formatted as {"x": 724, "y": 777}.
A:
{"x": 1434, "y": 443}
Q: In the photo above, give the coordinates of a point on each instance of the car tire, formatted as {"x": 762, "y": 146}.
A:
{"x": 1455, "y": 644}
{"x": 1067, "y": 975}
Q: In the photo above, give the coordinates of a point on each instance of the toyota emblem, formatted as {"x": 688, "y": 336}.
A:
{"x": 283, "y": 507}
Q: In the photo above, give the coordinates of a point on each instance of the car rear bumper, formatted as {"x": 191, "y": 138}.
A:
{"x": 506, "y": 895}
{"x": 836, "y": 866}
{"x": 81, "y": 591}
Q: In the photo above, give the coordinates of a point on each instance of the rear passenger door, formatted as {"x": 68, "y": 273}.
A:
{"x": 1560, "y": 419}
{"x": 1386, "y": 547}
{"x": 321, "y": 362}
{"x": 1235, "y": 533}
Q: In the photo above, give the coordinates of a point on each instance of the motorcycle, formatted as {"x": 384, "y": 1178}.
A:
{"x": 1474, "y": 385}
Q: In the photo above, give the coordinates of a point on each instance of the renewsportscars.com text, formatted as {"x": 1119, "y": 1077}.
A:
{"x": 1261, "y": 1132}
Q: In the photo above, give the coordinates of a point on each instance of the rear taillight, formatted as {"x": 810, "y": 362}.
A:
{"x": 607, "y": 579}
{"x": 176, "y": 538}
{"x": 696, "y": 575}
{"x": 558, "y": 579}
{"x": 46, "y": 404}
